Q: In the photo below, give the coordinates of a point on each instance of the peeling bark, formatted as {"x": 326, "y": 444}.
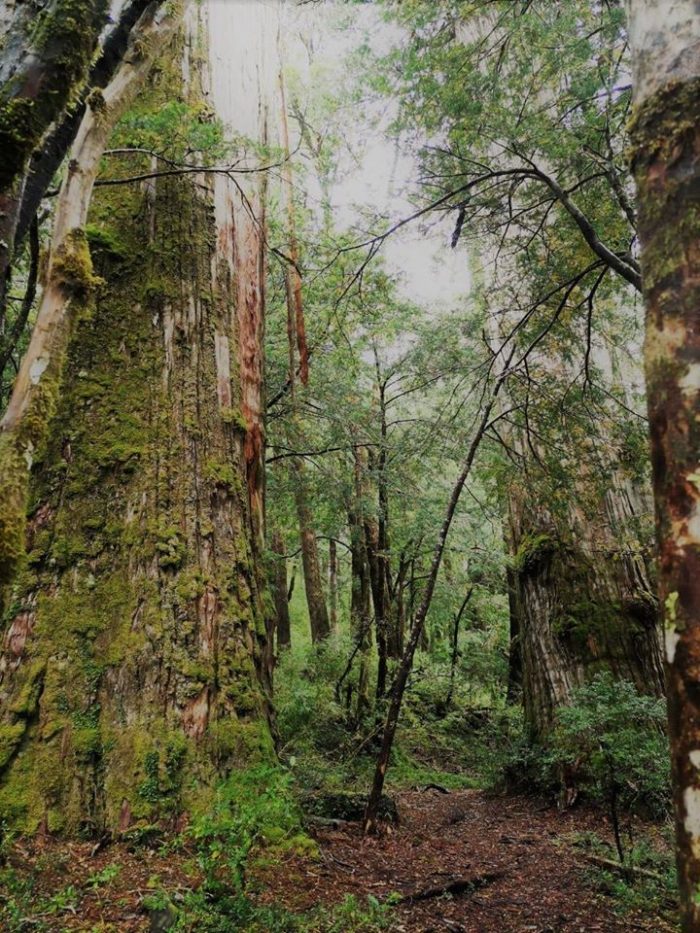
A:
{"x": 665, "y": 135}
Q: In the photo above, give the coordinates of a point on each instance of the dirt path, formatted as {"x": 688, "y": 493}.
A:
{"x": 527, "y": 878}
{"x": 522, "y": 874}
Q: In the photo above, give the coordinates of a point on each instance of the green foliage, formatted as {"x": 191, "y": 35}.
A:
{"x": 652, "y": 890}
{"x": 611, "y": 736}
{"x": 252, "y": 808}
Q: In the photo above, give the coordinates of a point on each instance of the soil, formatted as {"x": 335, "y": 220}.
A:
{"x": 517, "y": 852}
{"x": 509, "y": 862}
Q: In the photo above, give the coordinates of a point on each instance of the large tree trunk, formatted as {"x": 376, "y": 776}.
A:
{"x": 130, "y": 671}
{"x": 582, "y": 601}
{"x": 313, "y": 578}
{"x": 665, "y": 43}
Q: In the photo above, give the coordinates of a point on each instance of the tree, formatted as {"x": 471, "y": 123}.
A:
{"x": 131, "y": 668}
{"x": 42, "y": 61}
{"x": 526, "y": 147}
{"x": 665, "y": 43}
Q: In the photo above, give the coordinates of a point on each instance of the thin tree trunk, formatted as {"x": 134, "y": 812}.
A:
{"x": 333, "y": 582}
{"x": 665, "y": 44}
{"x": 406, "y": 664}
{"x": 380, "y": 599}
{"x": 295, "y": 305}
{"x": 360, "y": 615}
{"x": 455, "y": 644}
{"x": 313, "y": 579}
{"x": 279, "y": 591}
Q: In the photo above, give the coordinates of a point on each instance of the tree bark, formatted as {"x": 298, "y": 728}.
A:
{"x": 43, "y": 59}
{"x": 130, "y": 679}
{"x": 360, "y": 615}
{"x": 333, "y": 582}
{"x": 665, "y": 44}
{"x": 313, "y": 579}
{"x": 279, "y": 592}
{"x": 582, "y": 600}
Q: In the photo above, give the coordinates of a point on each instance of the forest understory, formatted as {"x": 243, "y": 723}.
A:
{"x": 459, "y": 860}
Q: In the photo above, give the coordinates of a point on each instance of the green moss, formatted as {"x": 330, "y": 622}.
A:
{"x": 234, "y": 417}
{"x": 71, "y": 267}
{"x": 533, "y": 550}
{"x": 104, "y": 243}
{"x": 10, "y": 737}
{"x": 665, "y": 120}
{"x": 64, "y": 39}
{"x": 25, "y": 699}
{"x": 13, "y": 507}
{"x": 222, "y": 474}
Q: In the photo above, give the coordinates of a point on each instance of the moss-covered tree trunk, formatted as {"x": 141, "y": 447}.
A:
{"x": 132, "y": 637}
{"x": 45, "y": 53}
{"x": 665, "y": 131}
{"x": 582, "y": 600}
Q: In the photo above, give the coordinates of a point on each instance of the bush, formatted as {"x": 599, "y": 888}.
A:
{"x": 612, "y": 739}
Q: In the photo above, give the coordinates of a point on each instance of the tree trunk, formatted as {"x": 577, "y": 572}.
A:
{"x": 43, "y": 58}
{"x": 68, "y": 291}
{"x": 665, "y": 43}
{"x": 333, "y": 581}
{"x": 515, "y": 659}
{"x": 313, "y": 579}
{"x": 360, "y": 616}
{"x": 404, "y": 668}
{"x": 279, "y": 592}
{"x": 582, "y": 600}
{"x": 131, "y": 666}
{"x": 380, "y": 598}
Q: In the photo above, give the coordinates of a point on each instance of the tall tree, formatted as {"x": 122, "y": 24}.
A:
{"x": 131, "y": 678}
{"x": 665, "y": 43}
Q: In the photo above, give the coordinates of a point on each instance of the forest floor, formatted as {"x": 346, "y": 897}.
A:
{"x": 458, "y": 861}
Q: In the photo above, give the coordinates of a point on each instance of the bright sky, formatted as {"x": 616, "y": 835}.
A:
{"x": 381, "y": 179}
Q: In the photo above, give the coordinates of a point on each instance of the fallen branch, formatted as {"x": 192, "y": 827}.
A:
{"x": 456, "y": 887}
{"x": 603, "y": 862}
